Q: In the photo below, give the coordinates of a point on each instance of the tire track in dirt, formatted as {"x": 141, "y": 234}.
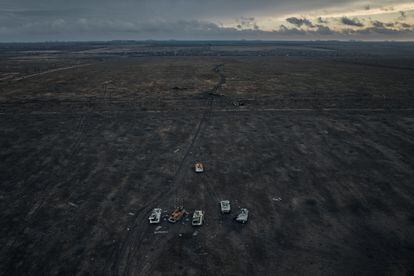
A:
{"x": 212, "y": 94}
{"x": 74, "y": 149}
{"x": 51, "y": 71}
{"x": 131, "y": 244}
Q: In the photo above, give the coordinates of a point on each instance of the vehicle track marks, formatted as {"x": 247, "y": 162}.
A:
{"x": 133, "y": 241}
{"x": 48, "y": 189}
{"x": 50, "y": 71}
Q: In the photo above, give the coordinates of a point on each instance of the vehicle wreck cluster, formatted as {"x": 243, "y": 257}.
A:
{"x": 198, "y": 215}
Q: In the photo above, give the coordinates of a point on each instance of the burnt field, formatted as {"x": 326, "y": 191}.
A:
{"x": 316, "y": 139}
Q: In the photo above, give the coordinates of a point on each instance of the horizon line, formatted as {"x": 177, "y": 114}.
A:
{"x": 207, "y": 40}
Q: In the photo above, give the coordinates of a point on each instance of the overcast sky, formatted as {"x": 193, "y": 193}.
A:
{"x": 62, "y": 20}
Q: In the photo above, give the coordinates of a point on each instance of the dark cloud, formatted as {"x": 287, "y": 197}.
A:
{"x": 299, "y": 22}
{"x": 351, "y": 22}
{"x": 375, "y": 30}
{"x": 283, "y": 30}
{"x": 99, "y": 29}
{"x": 247, "y": 23}
{"x": 378, "y": 24}
{"x": 403, "y": 15}
{"x": 178, "y": 9}
{"x": 37, "y": 20}
{"x": 396, "y": 25}
{"x": 324, "y": 30}
{"x": 382, "y": 31}
{"x": 405, "y": 25}
{"x": 322, "y": 21}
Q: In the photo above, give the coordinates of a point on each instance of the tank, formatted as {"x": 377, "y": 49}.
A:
{"x": 243, "y": 216}
{"x": 199, "y": 168}
{"x": 225, "y": 206}
{"x": 198, "y": 218}
{"x": 155, "y": 216}
{"x": 177, "y": 214}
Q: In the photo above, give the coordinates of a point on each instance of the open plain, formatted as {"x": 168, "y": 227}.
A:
{"x": 316, "y": 139}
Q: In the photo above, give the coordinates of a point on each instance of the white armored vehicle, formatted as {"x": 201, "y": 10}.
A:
{"x": 198, "y": 218}
{"x": 155, "y": 216}
{"x": 225, "y": 206}
{"x": 242, "y": 216}
{"x": 198, "y": 167}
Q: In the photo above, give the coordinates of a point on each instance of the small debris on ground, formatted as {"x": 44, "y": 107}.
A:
{"x": 158, "y": 228}
{"x": 131, "y": 214}
{"x": 277, "y": 199}
{"x": 195, "y": 233}
{"x": 73, "y": 204}
{"x": 160, "y": 232}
